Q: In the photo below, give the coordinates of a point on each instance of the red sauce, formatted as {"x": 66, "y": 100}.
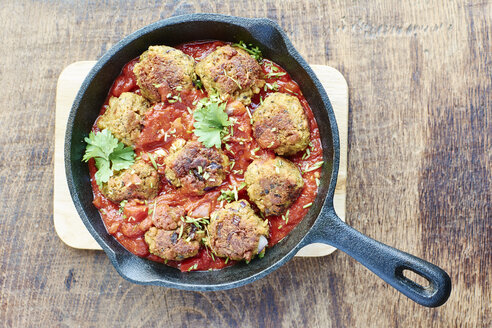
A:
{"x": 166, "y": 122}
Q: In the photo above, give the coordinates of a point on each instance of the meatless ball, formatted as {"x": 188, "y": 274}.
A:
{"x": 124, "y": 117}
{"x": 236, "y": 232}
{"x": 273, "y": 184}
{"x": 174, "y": 245}
{"x": 194, "y": 167}
{"x": 163, "y": 70}
{"x": 167, "y": 217}
{"x": 280, "y": 124}
{"x": 231, "y": 71}
{"x": 138, "y": 181}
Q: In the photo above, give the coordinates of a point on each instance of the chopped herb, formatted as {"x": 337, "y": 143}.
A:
{"x": 306, "y": 154}
{"x": 271, "y": 86}
{"x": 198, "y": 222}
{"x": 154, "y": 164}
{"x": 227, "y": 260}
{"x": 249, "y": 114}
{"x": 314, "y": 167}
{"x": 270, "y": 66}
{"x": 181, "y": 231}
{"x": 286, "y": 217}
{"x": 122, "y": 205}
{"x": 211, "y": 253}
{"x": 230, "y": 195}
{"x": 307, "y": 205}
{"x": 275, "y": 74}
{"x": 109, "y": 154}
{"x": 198, "y": 84}
{"x": 194, "y": 267}
{"x": 255, "y": 52}
{"x": 317, "y": 182}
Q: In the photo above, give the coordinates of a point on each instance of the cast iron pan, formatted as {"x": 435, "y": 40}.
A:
{"x": 321, "y": 223}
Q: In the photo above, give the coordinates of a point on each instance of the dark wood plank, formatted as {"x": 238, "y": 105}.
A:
{"x": 419, "y": 166}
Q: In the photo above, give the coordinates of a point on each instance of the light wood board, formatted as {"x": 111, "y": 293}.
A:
{"x": 68, "y": 224}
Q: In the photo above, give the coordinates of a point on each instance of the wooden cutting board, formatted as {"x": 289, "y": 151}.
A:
{"x": 68, "y": 224}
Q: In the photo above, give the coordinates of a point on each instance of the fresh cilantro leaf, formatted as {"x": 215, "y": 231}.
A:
{"x": 104, "y": 172}
{"x": 100, "y": 145}
{"x": 109, "y": 154}
{"x": 122, "y": 157}
{"x": 210, "y": 123}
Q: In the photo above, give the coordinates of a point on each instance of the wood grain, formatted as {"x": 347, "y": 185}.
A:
{"x": 419, "y": 166}
{"x": 68, "y": 225}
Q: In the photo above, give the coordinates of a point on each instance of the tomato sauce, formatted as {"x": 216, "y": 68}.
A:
{"x": 173, "y": 119}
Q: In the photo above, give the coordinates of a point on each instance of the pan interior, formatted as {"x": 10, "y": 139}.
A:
{"x": 275, "y": 46}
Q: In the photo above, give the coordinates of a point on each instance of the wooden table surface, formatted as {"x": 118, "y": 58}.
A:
{"x": 419, "y": 166}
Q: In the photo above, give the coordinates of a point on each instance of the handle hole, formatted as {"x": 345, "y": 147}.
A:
{"x": 416, "y": 278}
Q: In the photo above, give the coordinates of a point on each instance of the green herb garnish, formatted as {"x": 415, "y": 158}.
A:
{"x": 109, "y": 154}
{"x": 198, "y": 84}
{"x": 254, "y": 51}
{"x": 194, "y": 267}
{"x": 275, "y": 74}
{"x": 211, "y": 122}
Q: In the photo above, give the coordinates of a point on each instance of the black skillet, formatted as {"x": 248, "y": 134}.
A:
{"x": 321, "y": 224}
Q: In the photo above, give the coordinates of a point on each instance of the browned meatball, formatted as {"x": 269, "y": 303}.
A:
{"x": 139, "y": 181}
{"x": 124, "y": 117}
{"x": 167, "y": 217}
{"x": 164, "y": 70}
{"x": 281, "y": 124}
{"x": 195, "y": 168}
{"x": 231, "y": 72}
{"x": 235, "y": 231}
{"x": 273, "y": 184}
{"x": 173, "y": 244}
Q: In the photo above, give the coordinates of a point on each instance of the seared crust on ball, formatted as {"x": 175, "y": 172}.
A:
{"x": 235, "y": 231}
{"x": 195, "y": 168}
{"x": 124, "y": 117}
{"x": 231, "y": 72}
{"x": 138, "y": 181}
{"x": 164, "y": 70}
{"x": 280, "y": 124}
{"x": 167, "y": 217}
{"x": 273, "y": 185}
{"x": 174, "y": 245}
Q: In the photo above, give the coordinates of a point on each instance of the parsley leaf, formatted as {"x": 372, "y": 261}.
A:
{"x": 109, "y": 154}
{"x": 210, "y": 123}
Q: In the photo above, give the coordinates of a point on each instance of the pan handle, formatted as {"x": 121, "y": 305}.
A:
{"x": 385, "y": 261}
